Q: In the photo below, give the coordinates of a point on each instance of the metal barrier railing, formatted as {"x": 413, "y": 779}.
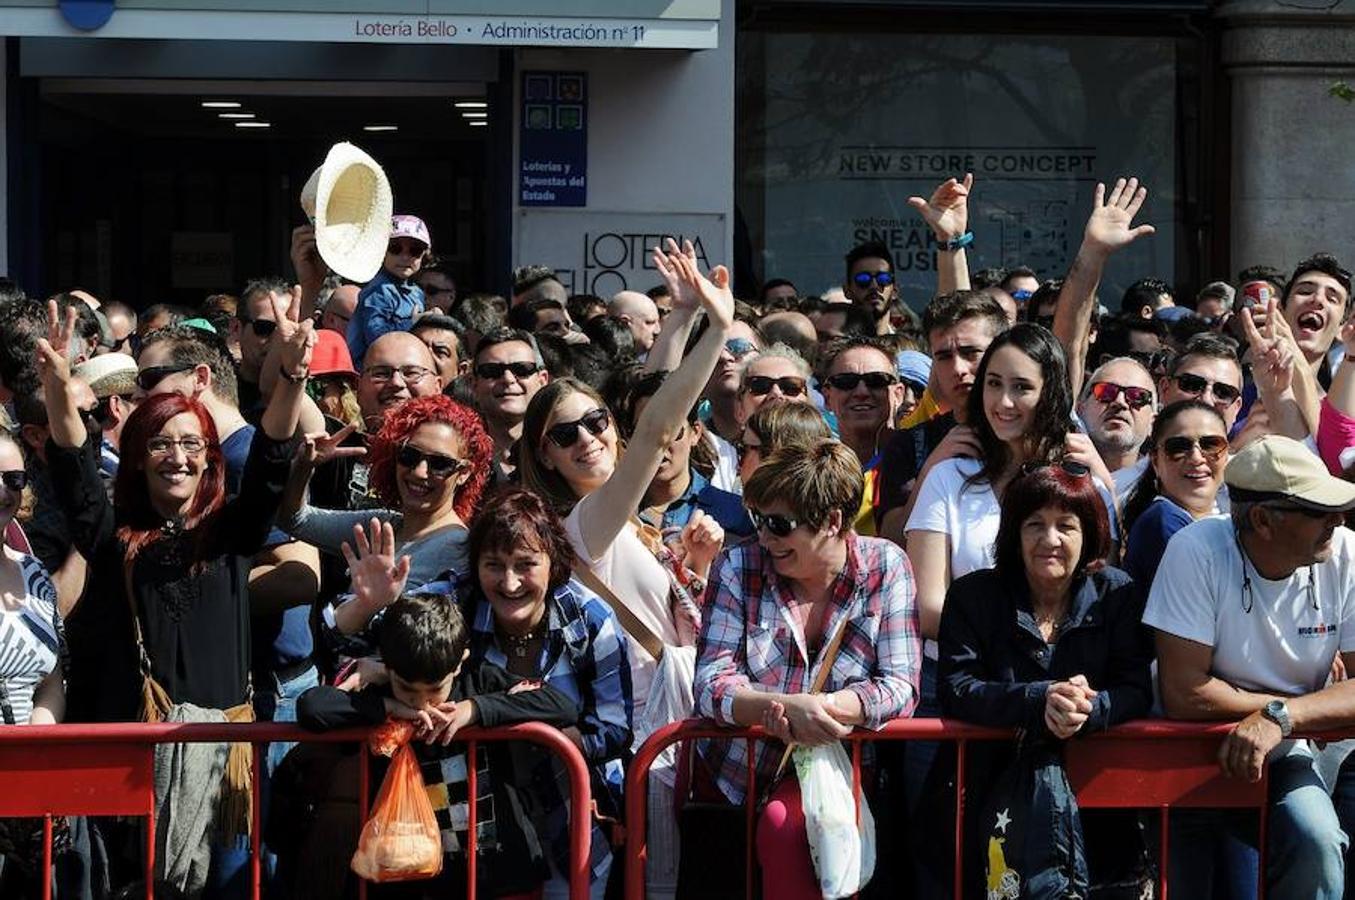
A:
{"x": 1148, "y": 764}
{"x": 108, "y": 770}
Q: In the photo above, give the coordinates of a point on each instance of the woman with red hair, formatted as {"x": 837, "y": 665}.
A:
{"x": 428, "y": 465}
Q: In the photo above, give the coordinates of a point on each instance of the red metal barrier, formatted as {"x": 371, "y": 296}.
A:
{"x": 1139, "y": 765}
{"x": 107, "y": 770}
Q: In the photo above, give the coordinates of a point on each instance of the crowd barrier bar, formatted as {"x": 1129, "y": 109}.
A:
{"x": 108, "y": 770}
{"x": 1145, "y": 764}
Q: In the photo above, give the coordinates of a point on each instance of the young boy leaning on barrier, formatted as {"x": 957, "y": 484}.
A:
{"x": 424, "y": 645}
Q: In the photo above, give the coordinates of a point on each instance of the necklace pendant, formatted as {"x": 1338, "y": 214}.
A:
{"x": 520, "y": 650}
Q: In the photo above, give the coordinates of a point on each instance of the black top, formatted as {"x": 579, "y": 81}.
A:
{"x": 901, "y": 459}
{"x": 195, "y": 618}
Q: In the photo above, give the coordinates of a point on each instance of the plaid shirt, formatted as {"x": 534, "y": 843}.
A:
{"x": 750, "y": 639}
{"x": 584, "y": 657}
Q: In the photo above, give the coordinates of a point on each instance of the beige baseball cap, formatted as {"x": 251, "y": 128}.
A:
{"x": 1281, "y": 468}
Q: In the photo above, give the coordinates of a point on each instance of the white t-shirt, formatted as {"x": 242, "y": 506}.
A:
{"x": 967, "y": 514}
{"x": 1287, "y": 642}
{"x": 1126, "y": 478}
{"x": 639, "y": 581}
{"x": 726, "y": 475}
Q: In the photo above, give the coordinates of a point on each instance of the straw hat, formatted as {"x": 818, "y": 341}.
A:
{"x": 348, "y": 199}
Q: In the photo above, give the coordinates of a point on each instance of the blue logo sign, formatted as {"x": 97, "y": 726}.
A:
{"x": 87, "y": 15}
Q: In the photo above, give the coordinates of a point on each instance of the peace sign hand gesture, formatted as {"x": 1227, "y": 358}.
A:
{"x": 1109, "y": 227}
{"x": 295, "y": 339}
{"x": 1272, "y": 352}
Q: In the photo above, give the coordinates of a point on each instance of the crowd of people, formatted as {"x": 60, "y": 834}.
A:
{"x": 335, "y": 503}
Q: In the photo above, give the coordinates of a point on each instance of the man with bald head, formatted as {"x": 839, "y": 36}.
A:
{"x": 396, "y": 367}
{"x": 339, "y": 308}
{"x": 638, "y": 313}
{"x": 795, "y": 330}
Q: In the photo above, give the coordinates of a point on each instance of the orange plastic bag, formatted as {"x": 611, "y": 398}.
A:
{"x": 400, "y": 842}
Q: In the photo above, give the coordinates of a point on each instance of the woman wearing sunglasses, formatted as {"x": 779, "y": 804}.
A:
{"x": 1049, "y": 641}
{"x": 773, "y": 613}
{"x": 1187, "y": 453}
{"x": 428, "y": 465}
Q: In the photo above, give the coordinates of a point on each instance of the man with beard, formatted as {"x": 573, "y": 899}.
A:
{"x": 1117, "y": 409}
{"x": 870, "y": 282}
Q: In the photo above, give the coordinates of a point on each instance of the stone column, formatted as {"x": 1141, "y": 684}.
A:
{"x": 1293, "y": 144}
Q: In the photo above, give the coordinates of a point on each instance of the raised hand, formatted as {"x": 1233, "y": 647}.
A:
{"x": 310, "y": 267}
{"x": 1272, "y": 349}
{"x": 684, "y": 298}
{"x": 53, "y": 356}
{"x": 318, "y": 449}
{"x": 1110, "y": 226}
{"x": 714, "y": 293}
{"x": 947, "y": 212}
{"x": 378, "y": 577}
{"x": 295, "y": 339}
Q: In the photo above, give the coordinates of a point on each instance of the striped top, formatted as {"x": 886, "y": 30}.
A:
{"x": 29, "y": 642}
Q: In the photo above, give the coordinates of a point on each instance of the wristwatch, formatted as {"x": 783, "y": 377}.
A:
{"x": 1277, "y": 712}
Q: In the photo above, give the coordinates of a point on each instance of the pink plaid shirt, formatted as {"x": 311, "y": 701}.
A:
{"x": 751, "y": 639}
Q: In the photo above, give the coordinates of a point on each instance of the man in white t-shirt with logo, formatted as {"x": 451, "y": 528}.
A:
{"x": 1250, "y": 613}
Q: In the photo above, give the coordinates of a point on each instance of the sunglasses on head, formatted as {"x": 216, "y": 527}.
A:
{"x": 883, "y": 279}
{"x": 847, "y": 381}
{"x": 150, "y": 376}
{"x": 1069, "y": 466}
{"x": 493, "y": 371}
{"x": 404, "y": 248}
{"x": 1212, "y": 446}
{"x": 439, "y": 465}
{"x": 566, "y": 434}
{"x": 777, "y": 524}
{"x": 1196, "y": 386}
{"x": 1134, "y": 397}
{"x": 14, "y": 479}
{"x": 761, "y": 385}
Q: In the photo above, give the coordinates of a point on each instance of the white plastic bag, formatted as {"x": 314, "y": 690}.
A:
{"x": 843, "y": 852}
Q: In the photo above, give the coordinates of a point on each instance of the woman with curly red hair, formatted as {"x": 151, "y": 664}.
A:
{"x": 428, "y": 465}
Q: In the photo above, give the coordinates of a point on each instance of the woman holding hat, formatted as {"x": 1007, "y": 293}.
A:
{"x": 391, "y": 301}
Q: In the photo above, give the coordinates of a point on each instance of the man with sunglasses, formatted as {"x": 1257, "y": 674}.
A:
{"x": 862, "y": 390}
{"x": 870, "y": 282}
{"x": 255, "y": 316}
{"x": 1117, "y": 410}
{"x": 506, "y": 373}
{"x": 1250, "y": 612}
{"x": 1208, "y": 371}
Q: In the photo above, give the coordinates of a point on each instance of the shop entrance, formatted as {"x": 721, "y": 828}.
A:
{"x": 151, "y": 191}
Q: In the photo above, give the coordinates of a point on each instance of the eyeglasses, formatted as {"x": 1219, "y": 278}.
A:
{"x": 1196, "y": 386}
{"x": 740, "y": 347}
{"x": 263, "y": 327}
{"x": 566, "y": 434}
{"x": 1212, "y": 446}
{"x": 383, "y": 374}
{"x": 439, "y": 465}
{"x": 404, "y": 248}
{"x": 191, "y": 445}
{"x": 150, "y": 376}
{"x": 777, "y": 524}
{"x": 847, "y": 381}
{"x": 1297, "y": 510}
{"x": 883, "y": 279}
{"x": 494, "y": 371}
{"x": 14, "y": 479}
{"x": 1134, "y": 397}
{"x": 761, "y": 385}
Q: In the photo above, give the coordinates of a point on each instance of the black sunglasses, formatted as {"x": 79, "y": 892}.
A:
{"x": 777, "y": 524}
{"x": 263, "y": 327}
{"x": 493, "y": 371}
{"x": 566, "y": 434}
{"x": 1069, "y": 466}
{"x": 1212, "y": 446}
{"x": 847, "y": 381}
{"x": 14, "y": 479}
{"x": 439, "y": 465}
{"x": 883, "y": 279}
{"x": 1134, "y": 397}
{"x": 150, "y": 376}
{"x": 761, "y": 385}
{"x": 1196, "y": 385}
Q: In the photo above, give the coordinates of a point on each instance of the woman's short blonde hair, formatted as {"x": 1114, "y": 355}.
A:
{"x": 813, "y": 480}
